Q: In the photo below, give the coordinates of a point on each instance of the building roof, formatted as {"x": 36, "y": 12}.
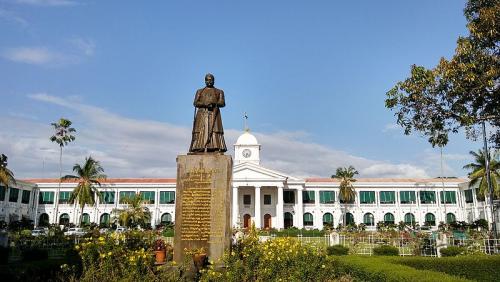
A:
{"x": 247, "y": 139}
{"x": 108, "y": 180}
{"x": 412, "y": 180}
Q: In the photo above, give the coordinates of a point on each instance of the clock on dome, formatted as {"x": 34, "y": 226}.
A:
{"x": 246, "y": 153}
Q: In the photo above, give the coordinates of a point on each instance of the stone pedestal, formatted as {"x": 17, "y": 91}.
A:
{"x": 203, "y": 204}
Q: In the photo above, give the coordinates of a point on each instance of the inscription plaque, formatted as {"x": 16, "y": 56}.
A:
{"x": 203, "y": 204}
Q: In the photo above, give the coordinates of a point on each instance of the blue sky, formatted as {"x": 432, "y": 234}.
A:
{"x": 312, "y": 76}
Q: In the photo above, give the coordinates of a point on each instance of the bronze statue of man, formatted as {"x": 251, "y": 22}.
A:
{"x": 208, "y": 134}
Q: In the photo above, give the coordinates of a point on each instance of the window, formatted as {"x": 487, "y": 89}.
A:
{"x": 468, "y": 196}
{"x": 46, "y": 198}
{"x": 288, "y": 220}
{"x": 389, "y": 218}
{"x": 387, "y": 197}
{"x": 308, "y": 197}
{"x": 2, "y": 193}
{"x": 167, "y": 197}
{"x": 407, "y": 197}
{"x": 326, "y": 197}
{"x": 26, "y": 197}
{"x": 267, "y": 199}
{"x": 247, "y": 199}
{"x": 126, "y": 195}
{"x": 450, "y": 217}
{"x": 328, "y": 219}
{"x": 43, "y": 220}
{"x": 13, "y": 194}
{"x": 288, "y": 197}
{"x": 449, "y": 197}
{"x": 108, "y": 197}
{"x": 430, "y": 219}
{"x": 368, "y": 219}
{"x": 479, "y": 196}
{"x": 86, "y": 218}
{"x": 409, "y": 219}
{"x": 308, "y": 219}
{"x": 367, "y": 197}
{"x": 148, "y": 197}
{"x": 166, "y": 218}
{"x": 64, "y": 219}
{"x": 427, "y": 197}
{"x": 64, "y": 197}
{"x": 349, "y": 218}
{"x": 104, "y": 220}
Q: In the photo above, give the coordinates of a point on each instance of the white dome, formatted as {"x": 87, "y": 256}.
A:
{"x": 247, "y": 139}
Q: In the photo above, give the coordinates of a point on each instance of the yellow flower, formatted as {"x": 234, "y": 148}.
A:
{"x": 110, "y": 253}
{"x": 322, "y": 266}
{"x": 102, "y": 255}
{"x": 174, "y": 263}
{"x": 77, "y": 247}
{"x": 101, "y": 238}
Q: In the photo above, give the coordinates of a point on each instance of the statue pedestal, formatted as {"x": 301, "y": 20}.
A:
{"x": 203, "y": 205}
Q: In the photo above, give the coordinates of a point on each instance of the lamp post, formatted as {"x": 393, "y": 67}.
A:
{"x": 488, "y": 181}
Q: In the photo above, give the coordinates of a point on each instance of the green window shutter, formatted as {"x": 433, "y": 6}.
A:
{"x": 2, "y": 193}
{"x": 26, "y": 197}
{"x": 322, "y": 197}
{"x": 468, "y": 196}
{"x": 389, "y": 218}
{"x": 449, "y": 197}
{"x": 167, "y": 197}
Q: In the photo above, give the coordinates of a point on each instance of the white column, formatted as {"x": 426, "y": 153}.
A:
{"x": 236, "y": 208}
{"x": 279, "y": 208}
{"x": 300, "y": 209}
{"x": 257, "y": 208}
{"x": 318, "y": 216}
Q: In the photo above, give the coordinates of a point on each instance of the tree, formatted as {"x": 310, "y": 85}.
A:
{"x": 135, "y": 214}
{"x": 478, "y": 173}
{"x": 88, "y": 176}
{"x": 62, "y": 136}
{"x": 347, "y": 194}
{"x": 6, "y": 175}
{"x": 458, "y": 93}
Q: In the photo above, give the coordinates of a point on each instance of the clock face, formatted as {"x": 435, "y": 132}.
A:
{"x": 247, "y": 153}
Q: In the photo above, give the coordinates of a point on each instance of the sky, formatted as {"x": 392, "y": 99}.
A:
{"x": 311, "y": 75}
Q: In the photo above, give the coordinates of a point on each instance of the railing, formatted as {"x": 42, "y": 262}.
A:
{"x": 406, "y": 246}
{"x": 486, "y": 246}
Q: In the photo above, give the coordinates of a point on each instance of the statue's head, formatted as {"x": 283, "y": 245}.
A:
{"x": 209, "y": 80}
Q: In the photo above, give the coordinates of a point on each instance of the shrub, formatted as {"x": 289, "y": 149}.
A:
{"x": 479, "y": 268}
{"x": 337, "y": 250}
{"x": 386, "y": 250}
{"x": 380, "y": 269}
{"x": 33, "y": 254}
{"x": 452, "y": 251}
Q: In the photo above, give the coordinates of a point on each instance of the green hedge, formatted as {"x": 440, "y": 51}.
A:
{"x": 337, "y": 250}
{"x": 386, "y": 250}
{"x": 479, "y": 268}
{"x": 33, "y": 271}
{"x": 380, "y": 269}
{"x": 452, "y": 251}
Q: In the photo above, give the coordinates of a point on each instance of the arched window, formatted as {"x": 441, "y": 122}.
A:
{"x": 328, "y": 219}
{"x": 430, "y": 219}
{"x": 104, "y": 220}
{"x": 288, "y": 220}
{"x": 450, "y": 217}
{"x": 308, "y": 219}
{"x": 409, "y": 219}
{"x": 349, "y": 218}
{"x": 267, "y": 221}
{"x": 43, "y": 220}
{"x": 86, "y": 218}
{"x": 64, "y": 219}
{"x": 166, "y": 218}
{"x": 368, "y": 219}
{"x": 389, "y": 218}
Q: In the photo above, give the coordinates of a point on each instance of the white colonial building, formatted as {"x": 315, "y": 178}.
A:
{"x": 272, "y": 199}
{"x": 18, "y": 201}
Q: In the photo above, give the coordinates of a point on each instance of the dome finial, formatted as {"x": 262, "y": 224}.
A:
{"x": 245, "y": 117}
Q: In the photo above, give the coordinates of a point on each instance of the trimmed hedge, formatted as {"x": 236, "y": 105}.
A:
{"x": 337, "y": 250}
{"x": 479, "y": 268}
{"x": 33, "y": 271}
{"x": 380, "y": 269}
{"x": 452, "y": 251}
{"x": 386, "y": 250}
{"x": 33, "y": 254}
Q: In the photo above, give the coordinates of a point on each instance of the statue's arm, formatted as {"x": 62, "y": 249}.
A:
{"x": 222, "y": 101}
{"x": 197, "y": 99}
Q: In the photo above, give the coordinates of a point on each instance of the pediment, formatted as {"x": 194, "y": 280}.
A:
{"x": 250, "y": 171}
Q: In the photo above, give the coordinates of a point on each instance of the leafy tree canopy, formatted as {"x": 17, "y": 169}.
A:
{"x": 458, "y": 93}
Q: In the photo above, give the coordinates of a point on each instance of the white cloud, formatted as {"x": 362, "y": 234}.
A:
{"x": 87, "y": 46}
{"x": 30, "y": 55}
{"x": 48, "y": 2}
{"x": 391, "y": 127}
{"x": 13, "y": 18}
{"x": 143, "y": 148}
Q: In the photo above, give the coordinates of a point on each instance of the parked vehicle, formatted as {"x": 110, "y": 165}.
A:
{"x": 75, "y": 231}
{"x": 103, "y": 230}
{"x": 38, "y": 232}
{"x": 121, "y": 229}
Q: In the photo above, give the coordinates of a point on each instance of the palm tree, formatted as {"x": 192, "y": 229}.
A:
{"x": 478, "y": 173}
{"x": 89, "y": 175}
{"x": 346, "y": 193}
{"x": 6, "y": 175}
{"x": 62, "y": 136}
{"x": 135, "y": 214}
